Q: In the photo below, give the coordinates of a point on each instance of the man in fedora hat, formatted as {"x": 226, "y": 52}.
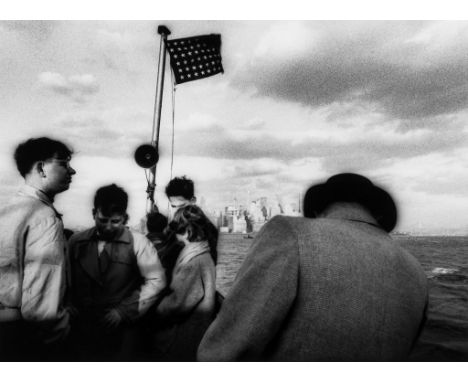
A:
{"x": 332, "y": 286}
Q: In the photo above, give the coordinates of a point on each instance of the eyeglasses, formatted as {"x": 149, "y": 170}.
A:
{"x": 64, "y": 162}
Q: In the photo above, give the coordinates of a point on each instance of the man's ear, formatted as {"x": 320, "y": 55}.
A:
{"x": 39, "y": 166}
{"x": 94, "y": 212}
{"x": 193, "y": 200}
{"x": 125, "y": 218}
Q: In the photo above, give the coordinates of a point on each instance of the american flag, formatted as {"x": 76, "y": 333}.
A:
{"x": 196, "y": 57}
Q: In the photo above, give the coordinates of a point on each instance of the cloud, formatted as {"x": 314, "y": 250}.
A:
{"x": 76, "y": 87}
{"x": 125, "y": 46}
{"x": 403, "y": 70}
{"x": 93, "y": 134}
{"x": 434, "y": 174}
{"x": 36, "y": 29}
{"x": 246, "y": 169}
{"x": 355, "y": 150}
{"x": 444, "y": 186}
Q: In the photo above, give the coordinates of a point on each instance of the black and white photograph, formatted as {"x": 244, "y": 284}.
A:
{"x": 233, "y": 190}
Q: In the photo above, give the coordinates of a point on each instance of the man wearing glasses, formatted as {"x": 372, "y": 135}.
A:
{"x": 116, "y": 277}
{"x": 33, "y": 320}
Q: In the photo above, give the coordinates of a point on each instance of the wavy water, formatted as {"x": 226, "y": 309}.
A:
{"x": 445, "y": 261}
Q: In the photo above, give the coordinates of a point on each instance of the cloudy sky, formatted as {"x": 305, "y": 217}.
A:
{"x": 299, "y": 101}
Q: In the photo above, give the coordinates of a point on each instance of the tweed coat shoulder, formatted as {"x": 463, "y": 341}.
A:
{"x": 328, "y": 289}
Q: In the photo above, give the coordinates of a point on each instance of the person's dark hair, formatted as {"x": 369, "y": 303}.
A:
{"x": 39, "y": 149}
{"x": 156, "y": 222}
{"x": 191, "y": 219}
{"x": 181, "y": 187}
{"x": 111, "y": 199}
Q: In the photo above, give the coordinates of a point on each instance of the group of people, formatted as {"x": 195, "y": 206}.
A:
{"x": 331, "y": 285}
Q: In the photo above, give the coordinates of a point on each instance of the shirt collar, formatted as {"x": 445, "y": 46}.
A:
{"x": 124, "y": 237}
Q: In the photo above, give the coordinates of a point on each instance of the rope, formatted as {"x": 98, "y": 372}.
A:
{"x": 173, "y": 121}
{"x": 173, "y": 126}
{"x": 150, "y": 191}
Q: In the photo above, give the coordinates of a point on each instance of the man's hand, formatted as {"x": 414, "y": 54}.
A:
{"x": 111, "y": 320}
{"x": 72, "y": 311}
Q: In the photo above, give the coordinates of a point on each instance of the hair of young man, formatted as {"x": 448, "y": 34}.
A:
{"x": 192, "y": 220}
{"x": 110, "y": 200}
{"x": 181, "y": 186}
{"x": 39, "y": 149}
{"x": 156, "y": 222}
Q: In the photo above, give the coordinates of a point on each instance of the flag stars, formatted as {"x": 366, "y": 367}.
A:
{"x": 195, "y": 58}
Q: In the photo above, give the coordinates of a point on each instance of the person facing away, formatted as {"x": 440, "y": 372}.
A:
{"x": 332, "y": 286}
{"x": 156, "y": 225}
{"x": 158, "y": 234}
{"x": 185, "y": 312}
{"x": 116, "y": 277}
{"x": 181, "y": 193}
{"x": 33, "y": 319}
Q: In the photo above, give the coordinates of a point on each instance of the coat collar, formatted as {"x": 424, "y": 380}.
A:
{"x": 351, "y": 212}
{"x": 192, "y": 250}
{"x": 35, "y": 193}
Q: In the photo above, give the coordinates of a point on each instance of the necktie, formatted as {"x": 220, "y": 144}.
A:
{"x": 104, "y": 260}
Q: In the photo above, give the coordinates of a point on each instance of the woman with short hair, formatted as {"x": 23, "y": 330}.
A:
{"x": 185, "y": 313}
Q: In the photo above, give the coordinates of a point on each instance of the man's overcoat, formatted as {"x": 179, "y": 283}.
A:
{"x": 328, "y": 289}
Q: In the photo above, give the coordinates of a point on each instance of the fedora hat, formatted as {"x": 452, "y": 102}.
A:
{"x": 355, "y": 188}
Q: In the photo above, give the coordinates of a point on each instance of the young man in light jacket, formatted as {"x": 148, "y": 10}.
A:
{"x": 33, "y": 320}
